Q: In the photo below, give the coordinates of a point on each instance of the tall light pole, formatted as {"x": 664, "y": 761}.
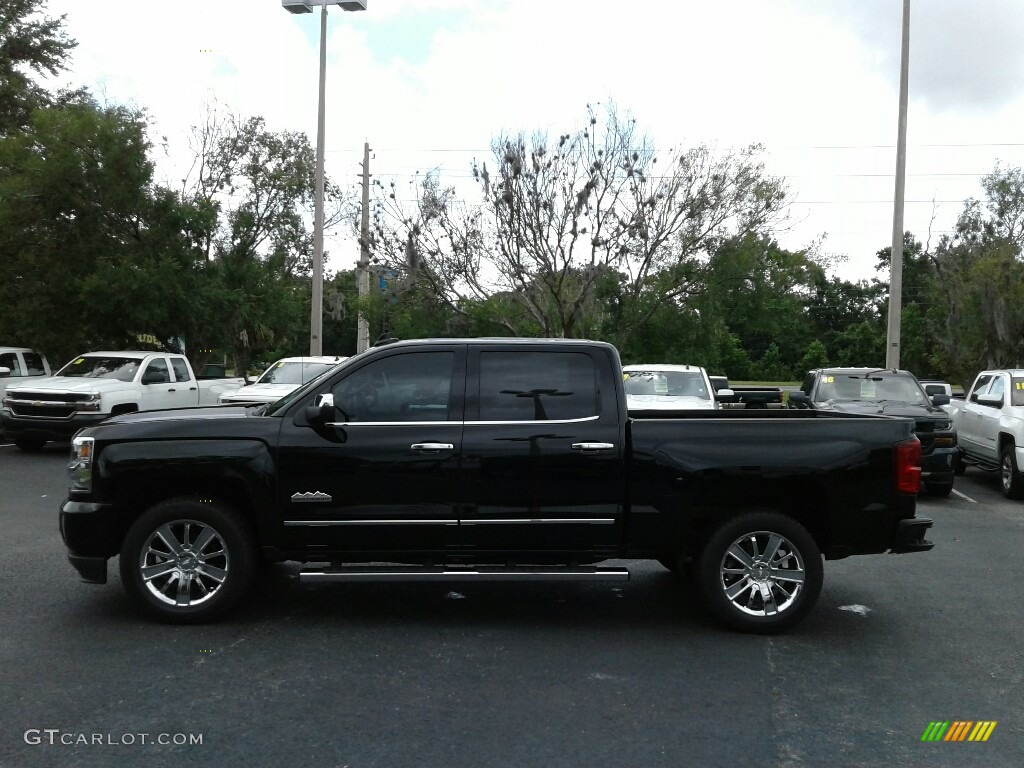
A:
{"x": 316, "y": 312}
{"x": 892, "y": 336}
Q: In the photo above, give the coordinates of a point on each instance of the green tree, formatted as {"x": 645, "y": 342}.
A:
{"x": 74, "y": 205}
{"x": 557, "y": 215}
{"x": 31, "y": 45}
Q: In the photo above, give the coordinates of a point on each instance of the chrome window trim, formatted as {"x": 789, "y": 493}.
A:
{"x": 463, "y": 521}
{"x": 540, "y": 521}
{"x": 323, "y": 523}
{"x": 458, "y": 423}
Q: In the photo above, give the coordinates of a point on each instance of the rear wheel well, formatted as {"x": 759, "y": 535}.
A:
{"x": 803, "y": 501}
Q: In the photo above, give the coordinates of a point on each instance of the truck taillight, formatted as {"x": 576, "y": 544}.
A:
{"x": 908, "y": 466}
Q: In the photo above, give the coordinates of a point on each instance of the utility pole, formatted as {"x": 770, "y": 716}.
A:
{"x": 363, "y": 270}
{"x": 892, "y": 339}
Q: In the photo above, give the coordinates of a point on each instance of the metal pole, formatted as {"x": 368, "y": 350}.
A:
{"x": 892, "y": 342}
{"x": 363, "y": 271}
{"x": 316, "y": 311}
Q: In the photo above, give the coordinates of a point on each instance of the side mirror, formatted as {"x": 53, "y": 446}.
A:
{"x": 800, "y": 399}
{"x": 990, "y": 400}
{"x": 250, "y": 380}
{"x": 938, "y": 400}
{"x": 724, "y": 395}
{"x": 321, "y": 412}
{"x": 153, "y": 378}
{"x": 4, "y": 371}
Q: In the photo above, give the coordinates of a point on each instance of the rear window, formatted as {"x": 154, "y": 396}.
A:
{"x": 537, "y": 386}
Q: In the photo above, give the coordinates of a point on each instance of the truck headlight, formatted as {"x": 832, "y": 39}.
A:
{"x": 91, "y": 404}
{"x": 80, "y": 466}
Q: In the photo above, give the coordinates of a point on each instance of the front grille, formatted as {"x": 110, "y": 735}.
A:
{"x": 43, "y": 411}
{"x": 53, "y": 397}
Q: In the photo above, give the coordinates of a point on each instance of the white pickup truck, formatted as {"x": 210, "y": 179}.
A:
{"x": 989, "y": 424}
{"x": 20, "y": 364}
{"x": 97, "y": 385}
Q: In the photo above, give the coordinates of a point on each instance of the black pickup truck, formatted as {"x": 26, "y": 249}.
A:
{"x": 893, "y": 393}
{"x": 496, "y": 459}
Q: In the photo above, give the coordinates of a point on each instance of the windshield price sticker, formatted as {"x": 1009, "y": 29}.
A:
{"x": 830, "y": 379}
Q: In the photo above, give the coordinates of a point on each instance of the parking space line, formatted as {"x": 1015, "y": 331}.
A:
{"x": 964, "y": 496}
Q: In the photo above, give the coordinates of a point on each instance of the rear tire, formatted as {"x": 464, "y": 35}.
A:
{"x": 186, "y": 561}
{"x": 760, "y": 572}
{"x": 1013, "y": 486}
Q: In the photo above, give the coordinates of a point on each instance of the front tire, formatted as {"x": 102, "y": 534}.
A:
{"x": 939, "y": 490}
{"x": 760, "y": 572}
{"x": 1013, "y": 486}
{"x": 187, "y": 561}
{"x": 29, "y": 444}
{"x": 959, "y": 467}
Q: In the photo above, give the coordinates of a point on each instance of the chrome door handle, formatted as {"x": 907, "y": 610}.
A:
{"x": 589, "y": 447}
{"x": 432, "y": 447}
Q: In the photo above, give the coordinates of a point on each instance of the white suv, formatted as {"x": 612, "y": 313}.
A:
{"x": 284, "y": 376}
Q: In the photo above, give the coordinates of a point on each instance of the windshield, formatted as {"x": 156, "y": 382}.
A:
{"x": 293, "y": 372}
{"x": 284, "y": 402}
{"x": 877, "y": 387}
{"x": 120, "y": 368}
{"x": 667, "y": 383}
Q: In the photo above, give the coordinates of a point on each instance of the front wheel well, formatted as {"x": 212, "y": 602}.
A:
{"x": 139, "y": 495}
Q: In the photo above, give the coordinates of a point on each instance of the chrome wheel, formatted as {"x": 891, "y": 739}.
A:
{"x": 1013, "y": 484}
{"x": 762, "y": 573}
{"x": 188, "y": 560}
{"x": 184, "y": 562}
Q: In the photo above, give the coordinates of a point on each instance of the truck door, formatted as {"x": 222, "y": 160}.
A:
{"x": 158, "y": 388}
{"x": 542, "y": 453}
{"x": 989, "y": 421}
{"x": 383, "y": 476}
{"x": 972, "y": 413}
{"x": 186, "y": 390}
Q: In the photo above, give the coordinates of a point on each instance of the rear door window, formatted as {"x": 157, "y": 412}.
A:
{"x": 537, "y": 386}
{"x": 181, "y": 372}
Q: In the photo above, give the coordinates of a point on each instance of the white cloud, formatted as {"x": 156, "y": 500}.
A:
{"x": 430, "y": 82}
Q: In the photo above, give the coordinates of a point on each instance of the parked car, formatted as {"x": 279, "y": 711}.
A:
{"x": 990, "y": 426}
{"x": 279, "y": 379}
{"x": 891, "y": 393}
{"x": 456, "y": 460}
{"x": 19, "y": 365}
{"x": 663, "y": 387}
{"x": 746, "y": 397}
{"x": 97, "y": 385}
{"x": 933, "y": 387}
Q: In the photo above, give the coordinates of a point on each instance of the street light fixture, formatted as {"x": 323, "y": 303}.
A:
{"x": 316, "y": 313}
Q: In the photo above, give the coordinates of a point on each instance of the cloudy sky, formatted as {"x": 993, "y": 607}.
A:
{"x": 429, "y": 83}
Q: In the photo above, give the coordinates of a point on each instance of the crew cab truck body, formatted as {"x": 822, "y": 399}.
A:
{"x": 502, "y": 459}
{"x": 990, "y": 427}
{"x": 97, "y": 385}
{"x": 894, "y": 393}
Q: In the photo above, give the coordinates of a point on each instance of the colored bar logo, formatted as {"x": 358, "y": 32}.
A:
{"x": 959, "y": 730}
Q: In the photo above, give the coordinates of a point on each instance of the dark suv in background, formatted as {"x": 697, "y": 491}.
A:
{"x": 892, "y": 393}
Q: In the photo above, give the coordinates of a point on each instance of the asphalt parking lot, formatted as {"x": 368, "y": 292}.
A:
{"x": 567, "y": 674}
